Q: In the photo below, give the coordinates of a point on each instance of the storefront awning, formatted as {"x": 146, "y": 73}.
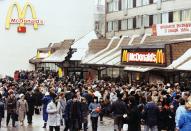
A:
{"x": 81, "y": 46}
{"x": 35, "y": 60}
{"x": 182, "y": 61}
{"x": 138, "y": 68}
{"x": 57, "y": 57}
{"x": 185, "y": 66}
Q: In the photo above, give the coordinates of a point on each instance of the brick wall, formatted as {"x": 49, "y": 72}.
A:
{"x": 179, "y": 49}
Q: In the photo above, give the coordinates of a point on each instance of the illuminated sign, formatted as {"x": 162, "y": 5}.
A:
{"x": 156, "y": 56}
{"x": 177, "y": 28}
{"x": 21, "y": 20}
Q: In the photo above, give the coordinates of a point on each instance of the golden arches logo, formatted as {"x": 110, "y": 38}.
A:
{"x": 160, "y": 57}
{"x": 21, "y": 16}
{"x": 125, "y": 56}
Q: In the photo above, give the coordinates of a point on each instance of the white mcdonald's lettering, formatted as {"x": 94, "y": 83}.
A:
{"x": 26, "y": 21}
{"x": 142, "y": 57}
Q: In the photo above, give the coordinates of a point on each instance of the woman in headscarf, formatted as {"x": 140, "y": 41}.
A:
{"x": 22, "y": 108}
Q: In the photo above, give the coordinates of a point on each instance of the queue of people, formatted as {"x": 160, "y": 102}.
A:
{"x": 68, "y": 102}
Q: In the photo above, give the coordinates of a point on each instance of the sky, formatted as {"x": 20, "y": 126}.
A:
{"x": 63, "y": 19}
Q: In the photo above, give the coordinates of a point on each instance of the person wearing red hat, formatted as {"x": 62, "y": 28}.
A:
{"x": 11, "y": 108}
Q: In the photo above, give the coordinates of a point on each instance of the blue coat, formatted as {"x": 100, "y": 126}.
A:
{"x": 184, "y": 122}
{"x": 45, "y": 101}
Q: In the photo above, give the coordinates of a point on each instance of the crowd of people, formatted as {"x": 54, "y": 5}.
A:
{"x": 69, "y": 101}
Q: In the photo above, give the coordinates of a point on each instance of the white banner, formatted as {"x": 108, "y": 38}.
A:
{"x": 172, "y": 28}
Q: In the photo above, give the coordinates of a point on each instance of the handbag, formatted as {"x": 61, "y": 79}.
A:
{"x": 15, "y": 117}
{"x": 37, "y": 110}
{"x": 125, "y": 127}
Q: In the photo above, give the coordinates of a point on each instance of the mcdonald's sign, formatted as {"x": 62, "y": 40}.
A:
{"x": 21, "y": 20}
{"x": 144, "y": 56}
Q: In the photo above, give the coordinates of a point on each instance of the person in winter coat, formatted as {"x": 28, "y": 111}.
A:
{"x": 75, "y": 114}
{"x": 62, "y": 101}
{"x": 85, "y": 112}
{"x": 11, "y": 108}
{"x": 22, "y": 108}
{"x": 184, "y": 123}
{"x": 30, "y": 100}
{"x": 180, "y": 110}
{"x": 118, "y": 108}
{"x": 45, "y": 101}
{"x": 151, "y": 112}
{"x": 95, "y": 109}
{"x": 133, "y": 116}
{"x": 37, "y": 99}
{"x": 53, "y": 110}
{"x": 2, "y": 109}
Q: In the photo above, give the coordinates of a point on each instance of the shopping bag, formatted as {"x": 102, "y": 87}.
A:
{"x": 125, "y": 127}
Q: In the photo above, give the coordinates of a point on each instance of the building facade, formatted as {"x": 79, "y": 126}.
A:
{"x": 129, "y": 17}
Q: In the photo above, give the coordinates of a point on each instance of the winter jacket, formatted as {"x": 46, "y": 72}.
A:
{"x": 184, "y": 122}
{"x": 134, "y": 119}
{"x": 181, "y": 109}
{"x": 45, "y": 101}
{"x": 2, "y": 109}
{"x": 119, "y": 108}
{"x": 53, "y": 114}
{"x": 92, "y": 107}
{"x": 151, "y": 114}
{"x": 68, "y": 114}
{"x": 30, "y": 100}
{"x": 11, "y": 105}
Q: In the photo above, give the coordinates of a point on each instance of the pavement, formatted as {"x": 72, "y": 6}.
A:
{"x": 107, "y": 125}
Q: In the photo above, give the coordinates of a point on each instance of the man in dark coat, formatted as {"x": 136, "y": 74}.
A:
{"x": 151, "y": 115}
{"x": 118, "y": 108}
{"x": 30, "y": 99}
{"x": 11, "y": 108}
{"x": 134, "y": 115}
{"x": 73, "y": 114}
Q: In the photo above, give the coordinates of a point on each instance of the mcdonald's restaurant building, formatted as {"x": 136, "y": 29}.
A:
{"x": 151, "y": 62}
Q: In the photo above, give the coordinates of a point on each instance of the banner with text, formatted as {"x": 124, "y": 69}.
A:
{"x": 172, "y": 28}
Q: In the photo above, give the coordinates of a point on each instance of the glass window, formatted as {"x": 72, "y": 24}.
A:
{"x": 145, "y": 2}
{"x": 150, "y": 20}
{"x": 130, "y": 23}
{"x": 110, "y": 26}
{"x": 146, "y": 20}
{"x": 138, "y": 21}
{"x": 124, "y": 4}
{"x": 155, "y": 20}
{"x": 134, "y": 3}
{"x": 139, "y": 3}
{"x": 165, "y": 17}
{"x": 115, "y": 5}
{"x": 130, "y": 3}
{"x": 186, "y": 15}
{"x": 151, "y": 1}
{"x": 124, "y": 25}
{"x": 115, "y": 26}
{"x": 110, "y": 7}
{"x": 176, "y": 16}
{"x": 170, "y": 19}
